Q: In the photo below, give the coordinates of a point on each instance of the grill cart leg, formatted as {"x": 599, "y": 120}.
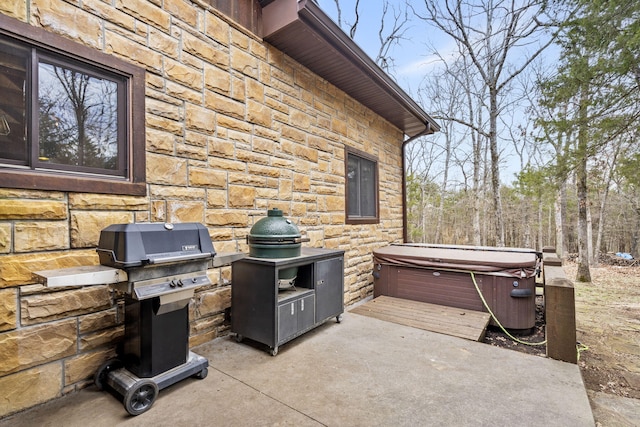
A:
{"x": 100, "y": 378}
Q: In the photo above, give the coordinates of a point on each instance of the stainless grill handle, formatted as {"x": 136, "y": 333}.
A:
{"x": 175, "y": 258}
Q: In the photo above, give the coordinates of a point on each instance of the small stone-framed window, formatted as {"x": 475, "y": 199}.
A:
{"x": 362, "y": 204}
{"x": 71, "y": 118}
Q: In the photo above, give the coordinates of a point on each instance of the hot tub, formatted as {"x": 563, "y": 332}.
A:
{"x": 440, "y": 274}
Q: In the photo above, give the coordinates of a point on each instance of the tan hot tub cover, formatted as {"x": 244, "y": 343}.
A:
{"x": 502, "y": 261}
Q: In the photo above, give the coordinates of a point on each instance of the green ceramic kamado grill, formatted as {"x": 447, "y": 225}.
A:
{"x": 276, "y": 237}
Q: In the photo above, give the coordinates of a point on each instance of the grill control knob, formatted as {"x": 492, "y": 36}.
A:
{"x": 173, "y": 283}
{"x": 180, "y": 283}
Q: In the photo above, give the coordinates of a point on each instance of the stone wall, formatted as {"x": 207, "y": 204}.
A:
{"x": 233, "y": 127}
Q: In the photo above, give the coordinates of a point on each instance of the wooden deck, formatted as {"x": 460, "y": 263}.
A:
{"x": 468, "y": 324}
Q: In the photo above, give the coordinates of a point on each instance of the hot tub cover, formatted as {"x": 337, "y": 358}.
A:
{"x": 513, "y": 262}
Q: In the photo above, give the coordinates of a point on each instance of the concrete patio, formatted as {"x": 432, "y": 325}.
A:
{"x": 362, "y": 372}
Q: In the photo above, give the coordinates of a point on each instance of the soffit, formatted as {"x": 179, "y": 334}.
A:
{"x": 301, "y": 30}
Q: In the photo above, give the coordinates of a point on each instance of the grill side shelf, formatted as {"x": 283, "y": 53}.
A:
{"x": 89, "y": 275}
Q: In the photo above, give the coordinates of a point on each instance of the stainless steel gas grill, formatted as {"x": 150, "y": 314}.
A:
{"x": 157, "y": 267}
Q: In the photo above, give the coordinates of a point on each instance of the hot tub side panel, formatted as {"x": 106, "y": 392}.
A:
{"x": 513, "y": 302}
{"x": 438, "y": 287}
{"x": 456, "y": 289}
{"x": 382, "y": 277}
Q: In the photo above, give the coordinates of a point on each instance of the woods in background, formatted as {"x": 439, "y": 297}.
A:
{"x": 553, "y": 86}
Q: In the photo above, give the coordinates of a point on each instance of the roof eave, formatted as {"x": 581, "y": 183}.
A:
{"x": 303, "y": 31}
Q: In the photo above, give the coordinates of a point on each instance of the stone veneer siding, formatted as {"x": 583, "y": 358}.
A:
{"x": 233, "y": 127}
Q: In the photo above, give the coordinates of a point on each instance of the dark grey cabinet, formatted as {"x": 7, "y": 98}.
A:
{"x": 263, "y": 312}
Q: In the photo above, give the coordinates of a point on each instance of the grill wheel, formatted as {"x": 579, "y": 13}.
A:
{"x": 102, "y": 373}
{"x": 140, "y": 397}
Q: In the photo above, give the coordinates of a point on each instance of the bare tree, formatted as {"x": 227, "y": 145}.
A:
{"x": 420, "y": 158}
{"x": 463, "y": 115}
{"x": 394, "y": 36}
{"x": 498, "y": 37}
{"x": 446, "y": 99}
{"x": 78, "y": 118}
{"x": 339, "y": 13}
{"x": 394, "y": 22}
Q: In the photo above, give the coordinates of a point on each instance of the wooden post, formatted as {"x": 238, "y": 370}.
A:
{"x": 560, "y": 311}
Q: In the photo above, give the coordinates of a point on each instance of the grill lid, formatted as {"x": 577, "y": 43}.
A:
{"x": 133, "y": 245}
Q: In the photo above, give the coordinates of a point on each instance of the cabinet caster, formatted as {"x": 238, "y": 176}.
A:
{"x": 239, "y": 338}
{"x": 339, "y": 318}
{"x": 273, "y": 351}
{"x": 100, "y": 378}
{"x": 140, "y": 397}
{"x": 202, "y": 374}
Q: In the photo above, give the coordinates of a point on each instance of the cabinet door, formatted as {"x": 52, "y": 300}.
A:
{"x": 329, "y": 284}
{"x": 287, "y": 320}
{"x": 306, "y": 313}
{"x": 295, "y": 316}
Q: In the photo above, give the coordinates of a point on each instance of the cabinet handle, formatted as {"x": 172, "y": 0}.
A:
{"x": 293, "y": 309}
{"x": 302, "y": 305}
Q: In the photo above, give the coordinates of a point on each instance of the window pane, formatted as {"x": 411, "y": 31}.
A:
{"x": 367, "y": 188}
{"x": 361, "y": 187}
{"x": 78, "y": 118}
{"x": 13, "y": 76}
{"x": 353, "y": 182}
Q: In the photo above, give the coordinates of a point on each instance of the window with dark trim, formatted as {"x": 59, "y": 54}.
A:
{"x": 71, "y": 118}
{"x": 362, "y": 204}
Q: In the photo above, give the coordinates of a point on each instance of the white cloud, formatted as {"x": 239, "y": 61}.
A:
{"x": 429, "y": 62}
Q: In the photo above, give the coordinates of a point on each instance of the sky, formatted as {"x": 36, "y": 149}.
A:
{"x": 413, "y": 59}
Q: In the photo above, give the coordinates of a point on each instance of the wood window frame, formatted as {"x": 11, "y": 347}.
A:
{"x": 134, "y": 181}
{"x": 349, "y": 151}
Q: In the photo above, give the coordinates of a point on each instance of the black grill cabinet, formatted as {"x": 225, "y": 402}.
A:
{"x": 164, "y": 264}
{"x": 264, "y": 312}
{"x": 154, "y": 343}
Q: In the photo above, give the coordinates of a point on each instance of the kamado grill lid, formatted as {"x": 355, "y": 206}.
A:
{"x": 274, "y": 237}
{"x": 274, "y": 229}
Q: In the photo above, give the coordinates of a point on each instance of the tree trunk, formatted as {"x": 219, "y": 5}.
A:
{"x": 477, "y": 156}
{"x": 527, "y": 228}
{"x": 603, "y": 204}
{"x": 564, "y": 247}
{"x": 583, "y": 273}
{"x": 592, "y": 261}
{"x": 558, "y": 218}
{"x": 423, "y": 215}
{"x": 540, "y": 212}
{"x": 549, "y": 236}
{"x": 495, "y": 166}
{"x": 443, "y": 194}
{"x": 476, "y": 142}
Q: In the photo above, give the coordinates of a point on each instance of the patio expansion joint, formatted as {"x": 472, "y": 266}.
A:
{"x": 269, "y": 396}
